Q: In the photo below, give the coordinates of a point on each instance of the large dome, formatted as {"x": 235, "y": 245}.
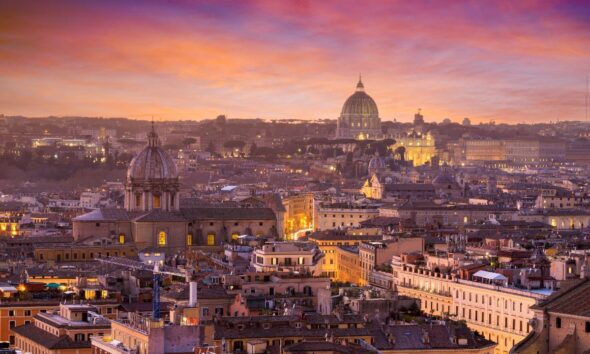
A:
{"x": 360, "y": 104}
{"x": 152, "y": 163}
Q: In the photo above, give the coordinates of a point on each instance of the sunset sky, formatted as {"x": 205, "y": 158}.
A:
{"x": 508, "y": 61}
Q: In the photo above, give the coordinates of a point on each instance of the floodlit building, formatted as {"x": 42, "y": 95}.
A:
{"x": 359, "y": 118}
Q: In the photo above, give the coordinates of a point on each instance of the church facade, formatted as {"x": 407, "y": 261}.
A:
{"x": 359, "y": 118}
{"x": 154, "y": 216}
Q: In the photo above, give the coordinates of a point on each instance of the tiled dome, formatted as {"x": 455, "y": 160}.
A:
{"x": 360, "y": 104}
{"x": 152, "y": 163}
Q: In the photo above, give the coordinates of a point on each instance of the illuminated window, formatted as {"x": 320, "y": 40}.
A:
{"x": 465, "y": 219}
{"x": 189, "y": 239}
{"x": 138, "y": 200}
{"x": 156, "y": 201}
{"x": 211, "y": 239}
{"x": 554, "y": 222}
{"x": 235, "y": 236}
{"x": 122, "y": 238}
{"x": 162, "y": 238}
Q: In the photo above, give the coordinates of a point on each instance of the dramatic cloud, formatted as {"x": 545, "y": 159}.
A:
{"x": 503, "y": 60}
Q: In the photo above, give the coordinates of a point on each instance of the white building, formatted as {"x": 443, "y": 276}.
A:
{"x": 302, "y": 257}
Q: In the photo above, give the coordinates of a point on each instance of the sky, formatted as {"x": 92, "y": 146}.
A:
{"x": 507, "y": 61}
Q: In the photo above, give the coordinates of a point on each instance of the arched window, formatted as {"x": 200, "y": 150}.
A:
{"x": 156, "y": 201}
{"x": 162, "y": 238}
{"x": 211, "y": 239}
{"x": 121, "y": 238}
{"x": 189, "y": 239}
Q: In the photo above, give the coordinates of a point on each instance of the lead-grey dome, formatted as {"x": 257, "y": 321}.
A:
{"x": 152, "y": 163}
{"x": 360, "y": 104}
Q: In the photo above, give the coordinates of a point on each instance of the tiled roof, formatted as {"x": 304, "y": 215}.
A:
{"x": 47, "y": 339}
{"x": 572, "y": 299}
{"x": 229, "y": 213}
{"x": 160, "y": 216}
{"x": 325, "y": 347}
{"x": 185, "y": 214}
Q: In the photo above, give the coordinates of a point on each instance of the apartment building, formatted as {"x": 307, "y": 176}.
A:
{"x": 372, "y": 254}
{"x": 329, "y": 241}
{"x": 485, "y": 301}
{"x": 15, "y": 313}
{"x": 343, "y": 215}
{"x": 303, "y": 257}
{"x": 66, "y": 331}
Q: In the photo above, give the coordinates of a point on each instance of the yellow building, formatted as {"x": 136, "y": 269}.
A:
{"x": 9, "y": 227}
{"x": 343, "y": 215}
{"x": 298, "y": 217}
{"x": 419, "y": 148}
{"x": 329, "y": 243}
{"x": 499, "y": 312}
{"x": 349, "y": 265}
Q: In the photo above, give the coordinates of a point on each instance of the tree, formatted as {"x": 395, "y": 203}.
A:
{"x": 210, "y": 148}
{"x": 253, "y": 148}
{"x": 234, "y": 144}
{"x": 188, "y": 141}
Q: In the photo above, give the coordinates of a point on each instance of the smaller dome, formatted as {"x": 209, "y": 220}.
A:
{"x": 376, "y": 164}
{"x": 152, "y": 163}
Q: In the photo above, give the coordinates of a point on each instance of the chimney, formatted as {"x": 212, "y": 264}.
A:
{"x": 192, "y": 297}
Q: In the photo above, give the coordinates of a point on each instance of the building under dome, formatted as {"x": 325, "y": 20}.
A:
{"x": 359, "y": 118}
{"x": 154, "y": 217}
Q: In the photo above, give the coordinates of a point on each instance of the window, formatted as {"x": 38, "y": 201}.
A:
{"x": 137, "y": 200}
{"x": 156, "y": 201}
{"x": 558, "y": 322}
{"x": 302, "y": 260}
{"x": 11, "y": 313}
{"x": 587, "y": 326}
{"x": 121, "y": 238}
{"x": 235, "y": 236}
{"x": 12, "y": 324}
{"x": 189, "y": 239}
{"x": 11, "y": 340}
{"x": 211, "y": 239}
{"x": 27, "y": 313}
{"x": 162, "y": 238}
{"x": 205, "y": 311}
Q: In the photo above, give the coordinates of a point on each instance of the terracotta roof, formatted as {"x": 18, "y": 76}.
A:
{"x": 327, "y": 347}
{"x": 229, "y": 213}
{"x": 47, "y": 339}
{"x": 572, "y": 299}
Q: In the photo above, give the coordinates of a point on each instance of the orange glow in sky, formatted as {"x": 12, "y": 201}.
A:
{"x": 508, "y": 61}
